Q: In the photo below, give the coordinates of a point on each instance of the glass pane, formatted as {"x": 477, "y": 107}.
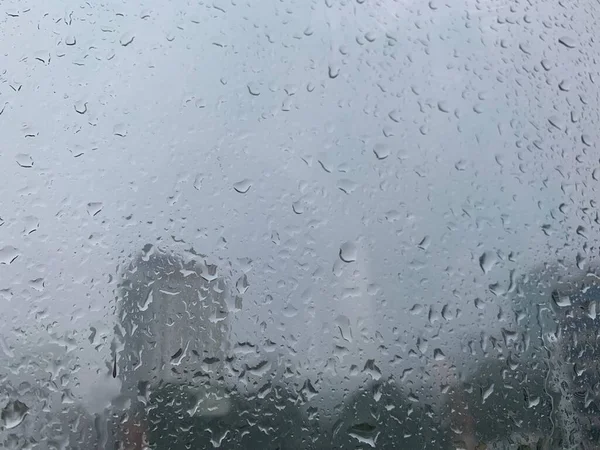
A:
{"x": 327, "y": 224}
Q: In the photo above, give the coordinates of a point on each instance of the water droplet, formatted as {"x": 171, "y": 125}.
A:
{"x": 13, "y": 414}
{"x": 561, "y": 300}
{"x": 243, "y": 186}
{"x": 394, "y": 114}
{"x": 333, "y": 71}
{"x": 381, "y": 151}
{"x": 94, "y": 208}
{"x": 242, "y": 284}
{"x": 460, "y": 165}
{"x": 347, "y": 186}
{"x": 556, "y": 122}
{"x": 343, "y": 324}
{"x": 416, "y": 309}
{"x": 298, "y": 207}
{"x": 8, "y": 254}
{"x": 81, "y": 107}
{"x": 24, "y": 160}
{"x": 253, "y": 88}
{"x": 70, "y": 40}
{"x": 443, "y": 106}
{"x": 364, "y": 433}
{"x": 425, "y": 242}
{"x": 587, "y": 140}
{"x": 596, "y": 174}
{"x": 126, "y": 39}
{"x": 120, "y": 130}
{"x": 567, "y": 41}
{"x": 487, "y": 261}
{"x": 438, "y": 355}
{"x": 546, "y": 64}
{"x": 348, "y": 252}
{"x": 564, "y": 85}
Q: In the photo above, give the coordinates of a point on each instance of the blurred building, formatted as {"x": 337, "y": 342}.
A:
{"x": 173, "y": 324}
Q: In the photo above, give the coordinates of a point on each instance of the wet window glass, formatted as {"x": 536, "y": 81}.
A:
{"x": 320, "y": 224}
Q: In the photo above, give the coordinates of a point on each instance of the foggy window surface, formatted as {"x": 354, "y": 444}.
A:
{"x": 328, "y": 224}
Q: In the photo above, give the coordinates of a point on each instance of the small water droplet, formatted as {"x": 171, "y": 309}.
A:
{"x": 70, "y": 40}
{"x": 587, "y": 140}
{"x": 243, "y": 186}
{"x": 81, "y": 107}
{"x": 546, "y": 64}
{"x": 126, "y": 39}
{"x": 24, "y": 160}
{"x": 564, "y": 85}
{"x": 347, "y": 186}
{"x": 253, "y": 88}
{"x": 561, "y": 300}
{"x": 242, "y": 284}
{"x": 13, "y": 414}
{"x": 394, "y": 114}
{"x": 94, "y": 208}
{"x": 333, "y": 71}
{"x": 381, "y": 151}
{"x": 443, "y": 106}
{"x": 298, "y": 207}
{"x": 425, "y": 242}
{"x": 567, "y": 41}
{"x": 8, "y": 254}
{"x": 487, "y": 261}
{"x": 120, "y": 130}
{"x": 556, "y": 122}
{"x": 348, "y": 252}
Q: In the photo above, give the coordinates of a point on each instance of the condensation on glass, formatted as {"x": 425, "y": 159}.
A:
{"x": 326, "y": 224}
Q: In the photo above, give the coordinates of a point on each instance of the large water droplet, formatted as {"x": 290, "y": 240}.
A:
{"x": 24, "y": 160}
{"x": 567, "y": 41}
{"x": 126, "y": 39}
{"x": 13, "y": 414}
{"x": 94, "y": 208}
{"x": 381, "y": 151}
{"x": 243, "y": 186}
{"x": 348, "y": 252}
{"x": 8, "y": 254}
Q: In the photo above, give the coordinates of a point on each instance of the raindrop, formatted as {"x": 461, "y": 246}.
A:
{"x": 487, "y": 261}
{"x": 567, "y": 41}
{"x": 94, "y": 208}
{"x": 8, "y": 254}
{"x": 443, "y": 106}
{"x": 348, "y": 252}
{"x": 70, "y": 40}
{"x": 253, "y": 88}
{"x": 416, "y": 309}
{"x": 120, "y": 130}
{"x": 561, "y": 300}
{"x": 13, "y": 414}
{"x": 343, "y": 324}
{"x": 394, "y": 114}
{"x": 556, "y": 122}
{"x": 596, "y": 174}
{"x": 364, "y": 433}
{"x": 438, "y": 355}
{"x": 564, "y": 85}
{"x": 547, "y": 65}
{"x": 381, "y": 151}
{"x": 242, "y": 284}
{"x": 587, "y": 140}
{"x": 347, "y": 186}
{"x": 425, "y": 242}
{"x": 334, "y": 71}
{"x": 243, "y": 186}
{"x": 126, "y": 39}
{"x": 24, "y": 160}
{"x": 81, "y": 107}
{"x": 298, "y": 207}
